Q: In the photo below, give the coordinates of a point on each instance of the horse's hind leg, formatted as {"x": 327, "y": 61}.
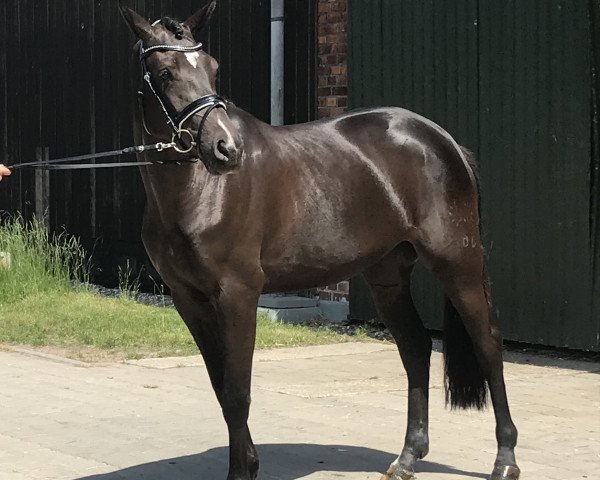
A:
{"x": 471, "y": 339}
{"x": 390, "y": 283}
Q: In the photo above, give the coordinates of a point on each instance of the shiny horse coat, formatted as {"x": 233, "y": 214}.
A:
{"x": 269, "y": 209}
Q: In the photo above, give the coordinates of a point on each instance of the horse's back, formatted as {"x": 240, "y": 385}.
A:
{"x": 382, "y": 135}
{"x": 411, "y": 161}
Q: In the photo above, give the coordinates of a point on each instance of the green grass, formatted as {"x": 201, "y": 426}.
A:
{"x": 38, "y": 262}
{"x": 70, "y": 320}
{"x": 39, "y": 306}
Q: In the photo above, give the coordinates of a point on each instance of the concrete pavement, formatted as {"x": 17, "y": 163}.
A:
{"x": 318, "y": 413}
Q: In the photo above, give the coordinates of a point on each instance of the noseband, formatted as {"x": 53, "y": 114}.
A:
{"x": 174, "y": 118}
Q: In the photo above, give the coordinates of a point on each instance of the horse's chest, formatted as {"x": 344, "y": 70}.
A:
{"x": 175, "y": 257}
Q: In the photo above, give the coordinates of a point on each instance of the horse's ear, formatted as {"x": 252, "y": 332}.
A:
{"x": 138, "y": 24}
{"x": 199, "y": 20}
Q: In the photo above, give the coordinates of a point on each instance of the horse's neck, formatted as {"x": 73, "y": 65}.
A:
{"x": 182, "y": 188}
{"x": 169, "y": 188}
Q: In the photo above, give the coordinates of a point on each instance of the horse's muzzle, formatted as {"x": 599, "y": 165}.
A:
{"x": 223, "y": 156}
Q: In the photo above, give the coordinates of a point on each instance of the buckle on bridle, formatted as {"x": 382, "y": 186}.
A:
{"x": 160, "y": 146}
{"x": 177, "y": 137}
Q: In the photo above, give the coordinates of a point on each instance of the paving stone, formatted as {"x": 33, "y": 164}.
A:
{"x": 333, "y": 411}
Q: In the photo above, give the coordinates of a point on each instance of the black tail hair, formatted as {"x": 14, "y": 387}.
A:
{"x": 465, "y": 384}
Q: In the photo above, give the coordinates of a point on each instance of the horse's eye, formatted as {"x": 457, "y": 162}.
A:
{"x": 165, "y": 74}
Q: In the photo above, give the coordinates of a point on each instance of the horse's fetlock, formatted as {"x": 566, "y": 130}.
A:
{"x": 421, "y": 449}
{"x": 417, "y": 443}
{"x": 253, "y": 465}
{"x": 507, "y": 435}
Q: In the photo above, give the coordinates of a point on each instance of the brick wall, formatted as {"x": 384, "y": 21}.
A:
{"x": 332, "y": 73}
{"x": 332, "y": 89}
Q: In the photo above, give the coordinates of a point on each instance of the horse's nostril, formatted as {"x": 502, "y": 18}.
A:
{"x": 223, "y": 150}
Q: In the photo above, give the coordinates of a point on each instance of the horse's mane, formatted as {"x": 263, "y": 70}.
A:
{"x": 173, "y": 26}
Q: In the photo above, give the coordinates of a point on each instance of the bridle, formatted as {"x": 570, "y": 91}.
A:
{"x": 174, "y": 118}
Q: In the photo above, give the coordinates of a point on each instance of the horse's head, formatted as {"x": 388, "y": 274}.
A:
{"x": 179, "y": 94}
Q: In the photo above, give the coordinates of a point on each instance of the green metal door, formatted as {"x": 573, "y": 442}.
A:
{"x": 512, "y": 81}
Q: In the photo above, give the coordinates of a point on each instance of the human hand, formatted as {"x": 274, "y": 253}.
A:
{"x": 4, "y": 172}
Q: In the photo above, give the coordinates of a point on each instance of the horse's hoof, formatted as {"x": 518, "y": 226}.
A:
{"x": 506, "y": 472}
{"x": 399, "y": 474}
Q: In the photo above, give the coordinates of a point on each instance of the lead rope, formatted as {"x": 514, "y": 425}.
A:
{"x": 58, "y": 163}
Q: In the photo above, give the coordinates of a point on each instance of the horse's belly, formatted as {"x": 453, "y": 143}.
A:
{"x": 311, "y": 264}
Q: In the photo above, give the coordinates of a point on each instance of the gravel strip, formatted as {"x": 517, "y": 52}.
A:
{"x": 143, "y": 298}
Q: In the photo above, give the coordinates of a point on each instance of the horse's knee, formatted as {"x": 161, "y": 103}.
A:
{"x": 235, "y": 407}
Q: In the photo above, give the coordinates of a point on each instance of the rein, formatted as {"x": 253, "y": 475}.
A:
{"x": 59, "y": 163}
{"x": 174, "y": 119}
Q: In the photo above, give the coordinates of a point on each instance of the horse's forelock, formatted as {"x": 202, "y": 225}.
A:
{"x": 174, "y": 26}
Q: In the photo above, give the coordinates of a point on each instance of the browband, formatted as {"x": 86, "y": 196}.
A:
{"x": 144, "y": 52}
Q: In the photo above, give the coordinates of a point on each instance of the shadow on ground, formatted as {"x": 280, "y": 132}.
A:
{"x": 278, "y": 462}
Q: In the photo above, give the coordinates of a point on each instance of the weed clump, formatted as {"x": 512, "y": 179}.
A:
{"x": 35, "y": 261}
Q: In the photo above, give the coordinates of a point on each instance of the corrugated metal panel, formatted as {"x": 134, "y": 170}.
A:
{"x": 535, "y": 154}
{"x": 595, "y": 162}
{"x": 511, "y": 81}
{"x": 300, "y": 61}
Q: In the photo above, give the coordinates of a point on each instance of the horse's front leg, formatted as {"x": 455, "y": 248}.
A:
{"x": 236, "y": 306}
{"x": 224, "y": 330}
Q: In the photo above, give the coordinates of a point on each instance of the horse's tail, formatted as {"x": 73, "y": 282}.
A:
{"x": 465, "y": 383}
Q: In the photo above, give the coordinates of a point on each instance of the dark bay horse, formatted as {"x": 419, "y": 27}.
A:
{"x": 255, "y": 208}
